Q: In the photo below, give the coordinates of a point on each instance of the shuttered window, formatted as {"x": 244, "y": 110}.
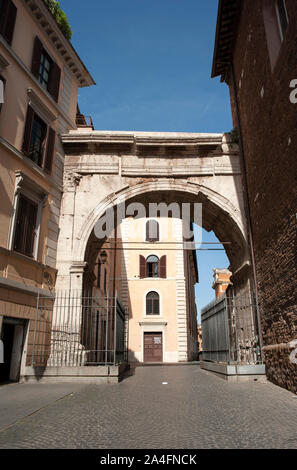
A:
{"x": 25, "y": 226}
{"x": 152, "y": 303}
{"x": 8, "y": 13}
{"x": 39, "y": 141}
{"x": 47, "y": 72}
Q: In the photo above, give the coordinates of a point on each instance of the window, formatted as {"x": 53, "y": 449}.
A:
{"x": 47, "y": 72}
{"x": 152, "y": 231}
{"x": 152, "y": 303}
{"x": 44, "y": 70}
{"x": 152, "y": 267}
{"x": 39, "y": 141}
{"x": 282, "y": 17}
{"x": 25, "y": 230}
{"x": 8, "y": 12}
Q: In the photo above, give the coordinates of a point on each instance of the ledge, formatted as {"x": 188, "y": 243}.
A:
{"x": 235, "y": 372}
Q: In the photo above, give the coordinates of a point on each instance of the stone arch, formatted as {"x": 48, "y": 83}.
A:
{"x": 221, "y": 215}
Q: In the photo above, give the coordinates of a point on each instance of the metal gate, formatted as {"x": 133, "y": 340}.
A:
{"x": 229, "y": 332}
{"x": 74, "y": 330}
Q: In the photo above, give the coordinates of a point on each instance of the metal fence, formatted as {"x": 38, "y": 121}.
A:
{"x": 74, "y": 330}
{"x": 229, "y": 332}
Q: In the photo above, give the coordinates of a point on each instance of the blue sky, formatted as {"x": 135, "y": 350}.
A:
{"x": 151, "y": 60}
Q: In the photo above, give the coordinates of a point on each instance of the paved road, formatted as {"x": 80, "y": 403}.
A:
{"x": 194, "y": 410}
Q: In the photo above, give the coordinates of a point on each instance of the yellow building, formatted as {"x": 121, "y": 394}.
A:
{"x": 160, "y": 279}
{"x": 40, "y": 73}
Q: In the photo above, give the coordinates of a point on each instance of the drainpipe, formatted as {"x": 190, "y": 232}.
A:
{"x": 247, "y": 204}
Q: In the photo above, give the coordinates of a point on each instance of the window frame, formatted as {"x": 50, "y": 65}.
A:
{"x": 28, "y": 188}
{"x": 43, "y": 142}
{"x": 158, "y": 298}
{"x": 45, "y": 56}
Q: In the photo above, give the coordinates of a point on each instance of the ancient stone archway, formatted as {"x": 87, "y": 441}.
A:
{"x": 103, "y": 169}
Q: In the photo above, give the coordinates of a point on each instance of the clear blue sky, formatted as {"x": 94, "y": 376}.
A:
{"x": 151, "y": 60}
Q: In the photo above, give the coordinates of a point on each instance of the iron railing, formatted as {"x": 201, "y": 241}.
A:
{"x": 74, "y": 330}
{"x": 84, "y": 121}
{"x": 229, "y": 332}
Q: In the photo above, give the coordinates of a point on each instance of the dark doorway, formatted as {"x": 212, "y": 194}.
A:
{"x": 12, "y": 336}
{"x": 153, "y": 347}
{"x": 7, "y": 338}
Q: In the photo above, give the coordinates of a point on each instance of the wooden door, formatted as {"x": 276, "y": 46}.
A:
{"x": 153, "y": 347}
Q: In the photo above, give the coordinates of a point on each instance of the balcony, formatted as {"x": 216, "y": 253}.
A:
{"x": 84, "y": 121}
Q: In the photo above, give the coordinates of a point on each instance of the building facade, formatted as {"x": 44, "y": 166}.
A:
{"x": 221, "y": 281}
{"x": 255, "y": 55}
{"x": 41, "y": 74}
{"x": 161, "y": 278}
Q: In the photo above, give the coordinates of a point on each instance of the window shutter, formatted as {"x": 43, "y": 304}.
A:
{"x": 48, "y": 159}
{"x": 142, "y": 265}
{"x": 10, "y": 22}
{"x": 36, "y": 58}
{"x": 54, "y": 83}
{"x": 2, "y": 90}
{"x": 147, "y": 236}
{"x": 31, "y": 227}
{"x": 20, "y": 227}
{"x": 28, "y": 129}
{"x": 163, "y": 267}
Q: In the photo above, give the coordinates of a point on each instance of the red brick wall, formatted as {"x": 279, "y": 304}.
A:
{"x": 269, "y": 129}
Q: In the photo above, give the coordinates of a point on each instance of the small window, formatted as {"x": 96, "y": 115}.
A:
{"x": 282, "y": 17}
{"x": 152, "y": 303}
{"x": 152, "y": 266}
{"x": 152, "y": 231}
{"x": 25, "y": 229}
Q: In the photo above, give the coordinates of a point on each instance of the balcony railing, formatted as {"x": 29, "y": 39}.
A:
{"x": 84, "y": 121}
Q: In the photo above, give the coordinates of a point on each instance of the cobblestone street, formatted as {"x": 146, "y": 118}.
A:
{"x": 194, "y": 410}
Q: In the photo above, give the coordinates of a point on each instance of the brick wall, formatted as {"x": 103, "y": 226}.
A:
{"x": 269, "y": 122}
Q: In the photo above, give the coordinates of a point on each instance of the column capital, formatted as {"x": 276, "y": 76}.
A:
{"x": 78, "y": 267}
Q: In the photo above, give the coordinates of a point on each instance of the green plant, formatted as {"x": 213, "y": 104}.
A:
{"x": 60, "y": 17}
{"x": 234, "y": 135}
